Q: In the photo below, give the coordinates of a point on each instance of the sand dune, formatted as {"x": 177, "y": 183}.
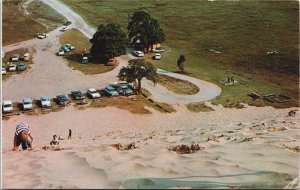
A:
{"x": 239, "y": 150}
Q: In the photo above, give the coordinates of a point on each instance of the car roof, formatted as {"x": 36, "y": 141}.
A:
{"x": 7, "y": 102}
{"x": 110, "y": 88}
{"x": 26, "y": 54}
{"x": 21, "y": 64}
{"x": 44, "y": 97}
{"x": 92, "y": 89}
{"x": 27, "y": 100}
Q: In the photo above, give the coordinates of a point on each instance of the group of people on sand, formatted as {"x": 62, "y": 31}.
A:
{"x": 23, "y": 137}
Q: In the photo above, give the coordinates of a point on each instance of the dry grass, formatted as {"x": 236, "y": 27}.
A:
{"x": 177, "y": 86}
{"x": 135, "y": 104}
{"x": 15, "y": 26}
{"x": 80, "y": 42}
{"x": 199, "y": 107}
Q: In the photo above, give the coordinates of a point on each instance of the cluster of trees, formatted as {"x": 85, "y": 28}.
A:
{"x": 110, "y": 40}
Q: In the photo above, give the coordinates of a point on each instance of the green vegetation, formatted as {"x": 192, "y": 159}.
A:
{"x": 177, "y": 86}
{"x": 136, "y": 70}
{"x": 199, "y": 107}
{"x": 80, "y": 42}
{"x": 221, "y": 38}
{"x": 145, "y": 29}
{"x": 108, "y": 42}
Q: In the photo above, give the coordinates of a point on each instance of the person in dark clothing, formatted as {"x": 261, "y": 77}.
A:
{"x": 70, "y": 134}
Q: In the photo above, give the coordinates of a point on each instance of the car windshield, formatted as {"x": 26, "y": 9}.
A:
{"x": 93, "y": 91}
{"x": 45, "y": 99}
{"x": 7, "y": 105}
{"x": 27, "y": 103}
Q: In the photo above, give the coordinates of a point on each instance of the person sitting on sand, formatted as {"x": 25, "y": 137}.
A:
{"x": 21, "y": 137}
{"x": 55, "y": 140}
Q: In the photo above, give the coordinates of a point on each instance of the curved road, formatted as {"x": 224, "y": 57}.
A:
{"x": 50, "y": 74}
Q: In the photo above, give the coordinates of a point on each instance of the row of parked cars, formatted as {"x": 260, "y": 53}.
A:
{"x": 65, "y": 48}
{"x": 16, "y": 67}
{"x": 157, "y": 52}
{"x": 116, "y": 89}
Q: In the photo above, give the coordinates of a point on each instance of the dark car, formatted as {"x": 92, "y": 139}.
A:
{"x": 68, "y": 23}
{"x": 62, "y": 99}
{"x": 123, "y": 89}
{"x": 77, "y": 95}
{"x": 21, "y": 67}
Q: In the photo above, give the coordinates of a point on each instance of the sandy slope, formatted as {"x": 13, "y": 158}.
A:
{"x": 249, "y": 147}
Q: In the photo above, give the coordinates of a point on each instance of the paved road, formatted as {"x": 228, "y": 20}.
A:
{"x": 50, "y": 74}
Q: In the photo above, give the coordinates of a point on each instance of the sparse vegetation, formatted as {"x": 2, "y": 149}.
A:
{"x": 177, "y": 86}
{"x": 199, "y": 107}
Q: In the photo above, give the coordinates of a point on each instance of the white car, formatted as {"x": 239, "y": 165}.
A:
{"x": 64, "y": 28}
{"x": 7, "y": 106}
{"x": 26, "y": 57}
{"x": 61, "y": 52}
{"x": 139, "y": 53}
{"x": 12, "y": 67}
{"x": 2, "y": 54}
{"x": 27, "y": 104}
{"x": 3, "y": 71}
{"x": 45, "y": 102}
{"x": 15, "y": 57}
{"x": 93, "y": 93}
{"x": 157, "y": 56}
{"x": 42, "y": 35}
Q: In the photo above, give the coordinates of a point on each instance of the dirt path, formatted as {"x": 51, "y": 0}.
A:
{"x": 50, "y": 74}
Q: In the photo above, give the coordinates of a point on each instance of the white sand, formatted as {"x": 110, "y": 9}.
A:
{"x": 88, "y": 161}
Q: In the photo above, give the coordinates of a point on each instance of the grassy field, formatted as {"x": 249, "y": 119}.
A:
{"x": 176, "y": 85}
{"x": 76, "y": 38}
{"x": 221, "y": 39}
{"x": 17, "y": 27}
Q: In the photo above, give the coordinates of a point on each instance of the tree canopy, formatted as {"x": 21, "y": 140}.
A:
{"x": 109, "y": 41}
{"x": 144, "y": 31}
{"x": 136, "y": 70}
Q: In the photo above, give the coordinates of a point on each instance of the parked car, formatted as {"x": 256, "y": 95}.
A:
{"x": 15, "y": 57}
{"x": 93, "y": 93}
{"x": 45, "y": 102}
{"x": 70, "y": 46}
{"x": 7, "y": 106}
{"x": 158, "y": 50}
{"x": 64, "y": 28}
{"x": 12, "y": 67}
{"x": 26, "y": 56}
{"x": 3, "y": 71}
{"x": 112, "y": 62}
{"x": 85, "y": 60}
{"x": 139, "y": 53}
{"x": 68, "y": 23}
{"x": 62, "y": 99}
{"x": 2, "y": 54}
{"x": 77, "y": 95}
{"x": 61, "y": 52}
{"x": 27, "y": 104}
{"x": 21, "y": 67}
{"x": 110, "y": 91}
{"x": 157, "y": 56}
{"x": 123, "y": 89}
{"x": 41, "y": 35}
{"x": 65, "y": 48}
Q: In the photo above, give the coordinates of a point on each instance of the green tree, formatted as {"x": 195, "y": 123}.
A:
{"x": 145, "y": 29}
{"x": 180, "y": 62}
{"x": 136, "y": 70}
{"x": 109, "y": 41}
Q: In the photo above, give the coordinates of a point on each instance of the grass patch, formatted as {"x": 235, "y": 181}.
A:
{"x": 45, "y": 15}
{"x": 76, "y": 38}
{"x": 242, "y": 31}
{"x": 199, "y": 107}
{"x": 177, "y": 86}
